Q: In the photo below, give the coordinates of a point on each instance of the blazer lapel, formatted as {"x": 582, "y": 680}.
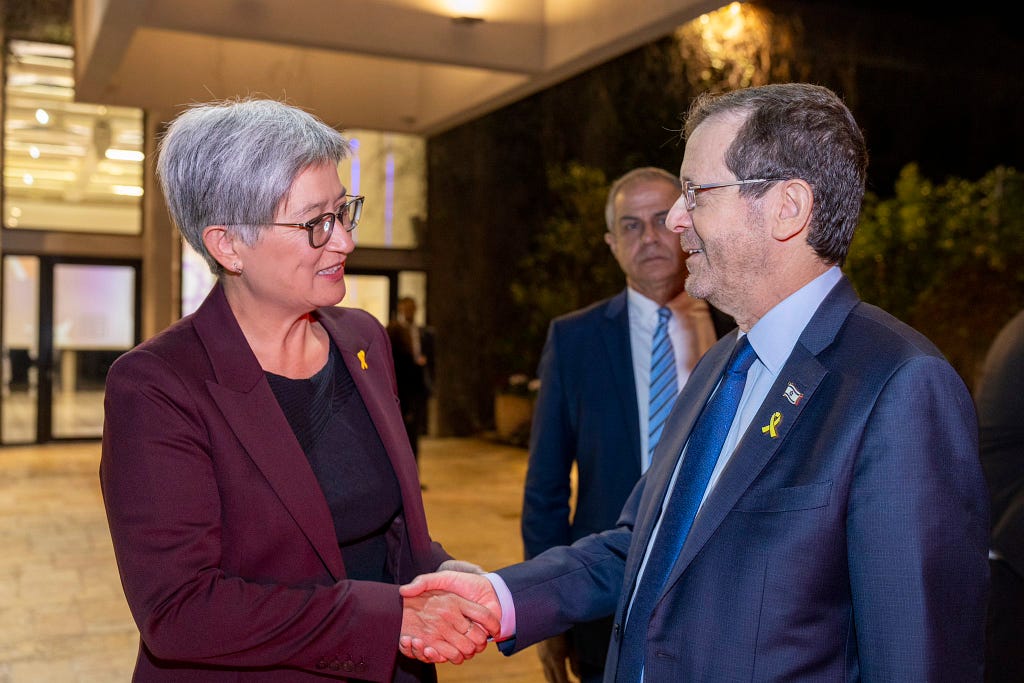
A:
{"x": 244, "y": 397}
{"x": 757, "y": 446}
{"x": 754, "y": 451}
{"x": 615, "y": 334}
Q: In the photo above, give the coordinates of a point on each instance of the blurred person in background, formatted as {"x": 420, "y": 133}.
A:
{"x": 1000, "y": 401}
{"x": 413, "y": 348}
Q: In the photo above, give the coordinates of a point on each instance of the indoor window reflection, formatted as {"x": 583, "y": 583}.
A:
{"x": 68, "y": 166}
{"x": 390, "y": 169}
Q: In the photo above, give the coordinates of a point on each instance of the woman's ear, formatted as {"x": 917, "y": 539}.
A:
{"x": 221, "y": 245}
{"x": 794, "y": 210}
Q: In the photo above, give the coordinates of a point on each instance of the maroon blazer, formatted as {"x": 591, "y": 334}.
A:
{"x": 225, "y": 544}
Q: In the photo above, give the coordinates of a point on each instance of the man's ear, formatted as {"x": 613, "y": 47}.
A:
{"x": 221, "y": 245}
{"x": 609, "y": 239}
{"x": 793, "y": 209}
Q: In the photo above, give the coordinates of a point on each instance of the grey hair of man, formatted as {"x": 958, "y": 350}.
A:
{"x": 233, "y": 162}
{"x": 797, "y": 130}
{"x": 642, "y": 174}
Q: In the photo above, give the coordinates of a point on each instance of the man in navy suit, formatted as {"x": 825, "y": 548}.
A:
{"x": 598, "y": 419}
{"x": 843, "y": 531}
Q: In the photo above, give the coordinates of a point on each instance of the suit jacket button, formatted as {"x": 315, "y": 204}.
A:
{"x": 335, "y": 665}
{"x": 322, "y": 664}
{"x": 348, "y": 666}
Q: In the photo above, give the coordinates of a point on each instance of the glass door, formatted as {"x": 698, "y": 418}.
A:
{"x": 19, "y": 352}
{"x": 94, "y": 321}
{"x": 62, "y": 330}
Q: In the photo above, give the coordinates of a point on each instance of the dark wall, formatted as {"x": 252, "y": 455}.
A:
{"x": 482, "y": 185}
{"x": 939, "y": 88}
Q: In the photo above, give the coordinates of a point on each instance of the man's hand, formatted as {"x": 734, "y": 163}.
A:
{"x": 468, "y": 588}
{"x": 554, "y": 658}
{"x": 446, "y": 627}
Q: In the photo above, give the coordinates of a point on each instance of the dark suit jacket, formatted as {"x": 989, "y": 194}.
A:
{"x": 999, "y": 399}
{"x": 413, "y": 379}
{"x": 586, "y": 412}
{"x": 852, "y": 546}
{"x": 224, "y": 541}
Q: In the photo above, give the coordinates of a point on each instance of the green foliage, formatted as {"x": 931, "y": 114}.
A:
{"x": 946, "y": 258}
{"x": 568, "y": 265}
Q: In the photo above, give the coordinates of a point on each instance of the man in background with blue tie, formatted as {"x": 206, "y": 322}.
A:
{"x": 609, "y": 376}
{"x": 816, "y": 509}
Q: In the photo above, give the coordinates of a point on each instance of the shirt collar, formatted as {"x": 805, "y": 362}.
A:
{"x": 776, "y": 333}
{"x": 640, "y": 307}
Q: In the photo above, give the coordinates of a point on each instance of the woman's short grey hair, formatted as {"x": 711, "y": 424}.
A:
{"x": 642, "y": 174}
{"x": 233, "y": 162}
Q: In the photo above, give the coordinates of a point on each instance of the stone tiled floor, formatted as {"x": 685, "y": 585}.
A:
{"x": 63, "y": 618}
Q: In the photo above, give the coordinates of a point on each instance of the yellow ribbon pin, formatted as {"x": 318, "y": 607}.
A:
{"x": 769, "y": 428}
{"x": 362, "y": 359}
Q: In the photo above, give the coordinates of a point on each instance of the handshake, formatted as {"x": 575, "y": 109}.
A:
{"x": 450, "y": 615}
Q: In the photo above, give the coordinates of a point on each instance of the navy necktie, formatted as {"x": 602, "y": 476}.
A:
{"x": 705, "y": 445}
{"x": 663, "y": 385}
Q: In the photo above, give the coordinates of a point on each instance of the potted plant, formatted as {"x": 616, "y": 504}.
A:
{"x": 513, "y": 409}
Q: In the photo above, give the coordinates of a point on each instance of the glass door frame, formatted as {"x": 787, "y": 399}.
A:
{"x": 392, "y": 275}
{"x": 45, "y": 360}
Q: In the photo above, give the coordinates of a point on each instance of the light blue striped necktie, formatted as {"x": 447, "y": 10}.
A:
{"x": 663, "y": 380}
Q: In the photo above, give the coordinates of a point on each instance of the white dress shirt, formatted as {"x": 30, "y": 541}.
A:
{"x": 692, "y": 333}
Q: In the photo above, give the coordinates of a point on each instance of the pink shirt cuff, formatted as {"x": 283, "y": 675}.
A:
{"x": 508, "y": 609}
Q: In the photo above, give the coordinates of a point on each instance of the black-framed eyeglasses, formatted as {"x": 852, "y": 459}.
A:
{"x": 690, "y": 189}
{"x": 321, "y": 228}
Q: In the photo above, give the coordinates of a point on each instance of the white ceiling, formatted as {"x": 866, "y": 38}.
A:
{"x": 399, "y": 65}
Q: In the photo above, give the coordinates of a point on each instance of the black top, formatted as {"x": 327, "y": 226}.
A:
{"x": 330, "y": 421}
